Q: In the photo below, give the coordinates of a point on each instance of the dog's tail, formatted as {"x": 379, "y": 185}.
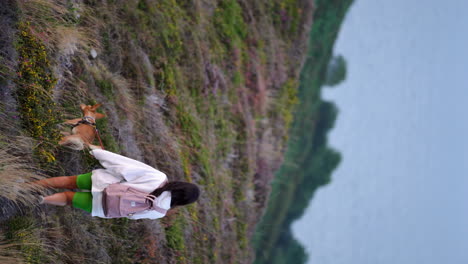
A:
{"x": 73, "y": 142}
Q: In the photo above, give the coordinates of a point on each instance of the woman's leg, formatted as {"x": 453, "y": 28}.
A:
{"x": 60, "y": 199}
{"x": 67, "y": 182}
{"x": 81, "y": 200}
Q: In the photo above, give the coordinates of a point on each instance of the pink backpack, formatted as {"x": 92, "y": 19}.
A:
{"x": 119, "y": 200}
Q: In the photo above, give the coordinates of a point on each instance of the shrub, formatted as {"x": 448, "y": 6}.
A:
{"x": 34, "y": 87}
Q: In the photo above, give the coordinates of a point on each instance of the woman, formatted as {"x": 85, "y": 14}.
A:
{"x": 126, "y": 171}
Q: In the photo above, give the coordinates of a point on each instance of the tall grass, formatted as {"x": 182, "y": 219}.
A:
{"x": 16, "y": 173}
{"x": 26, "y": 240}
{"x": 9, "y": 254}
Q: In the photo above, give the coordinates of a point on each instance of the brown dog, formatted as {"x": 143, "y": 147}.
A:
{"x": 84, "y": 130}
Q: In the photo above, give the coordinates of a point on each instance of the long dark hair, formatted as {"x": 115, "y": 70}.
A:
{"x": 182, "y": 193}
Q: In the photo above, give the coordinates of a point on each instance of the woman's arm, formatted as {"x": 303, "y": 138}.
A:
{"x": 131, "y": 170}
{"x": 107, "y": 159}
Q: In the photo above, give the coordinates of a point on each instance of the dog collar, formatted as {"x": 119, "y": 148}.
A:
{"x": 89, "y": 119}
{"x": 86, "y": 120}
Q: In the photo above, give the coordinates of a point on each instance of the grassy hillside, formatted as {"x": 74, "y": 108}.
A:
{"x": 309, "y": 161}
{"x": 202, "y": 90}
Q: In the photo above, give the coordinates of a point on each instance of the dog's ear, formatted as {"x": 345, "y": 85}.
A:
{"x": 96, "y": 106}
{"x": 99, "y": 115}
{"x": 82, "y": 106}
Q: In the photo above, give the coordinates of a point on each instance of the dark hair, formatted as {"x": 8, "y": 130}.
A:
{"x": 182, "y": 193}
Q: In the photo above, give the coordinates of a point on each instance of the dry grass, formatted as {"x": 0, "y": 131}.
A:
{"x": 16, "y": 172}
{"x": 43, "y": 10}
{"x": 69, "y": 39}
{"x": 114, "y": 87}
{"x": 44, "y": 14}
{"x": 58, "y": 25}
{"x": 27, "y": 241}
{"x": 9, "y": 254}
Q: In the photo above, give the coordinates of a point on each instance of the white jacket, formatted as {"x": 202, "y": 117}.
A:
{"x": 129, "y": 172}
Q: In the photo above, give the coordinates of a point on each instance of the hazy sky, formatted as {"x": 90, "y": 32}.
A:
{"x": 400, "y": 195}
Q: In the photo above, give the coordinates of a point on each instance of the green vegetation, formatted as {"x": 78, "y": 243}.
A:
{"x": 107, "y": 139}
{"x": 35, "y": 83}
{"x": 230, "y": 24}
{"x": 175, "y": 236}
{"x": 106, "y": 88}
{"x": 286, "y": 14}
{"x": 23, "y": 231}
{"x": 286, "y": 104}
{"x": 336, "y": 71}
{"x": 309, "y": 161}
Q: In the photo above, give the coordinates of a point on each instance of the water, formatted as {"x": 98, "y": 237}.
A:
{"x": 399, "y": 194}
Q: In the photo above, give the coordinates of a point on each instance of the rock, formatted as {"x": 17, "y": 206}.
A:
{"x": 7, "y": 209}
{"x": 93, "y": 53}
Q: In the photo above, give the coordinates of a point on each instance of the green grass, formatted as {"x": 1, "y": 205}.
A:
{"x": 107, "y": 89}
{"x": 175, "y": 239}
{"x": 229, "y": 23}
{"x": 163, "y": 22}
{"x": 242, "y": 235}
{"x": 196, "y": 151}
{"x": 22, "y": 230}
{"x": 285, "y": 105}
{"x": 286, "y": 15}
{"x": 238, "y": 78}
{"x": 166, "y": 79}
{"x": 107, "y": 138}
{"x": 125, "y": 244}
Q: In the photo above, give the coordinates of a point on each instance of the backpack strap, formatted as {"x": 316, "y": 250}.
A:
{"x": 152, "y": 198}
{"x": 159, "y": 209}
{"x": 163, "y": 183}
